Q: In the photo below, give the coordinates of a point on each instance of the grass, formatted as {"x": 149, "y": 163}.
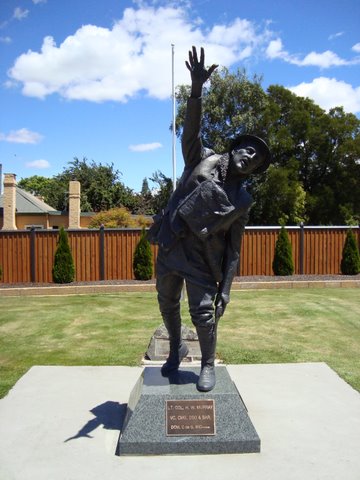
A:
{"x": 312, "y": 325}
{"x": 269, "y": 326}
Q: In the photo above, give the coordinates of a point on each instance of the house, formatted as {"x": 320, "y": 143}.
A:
{"x": 20, "y": 210}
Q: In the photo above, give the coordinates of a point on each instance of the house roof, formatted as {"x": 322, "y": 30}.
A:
{"x": 28, "y": 203}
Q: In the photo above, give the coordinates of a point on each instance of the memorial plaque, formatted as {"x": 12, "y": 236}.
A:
{"x": 190, "y": 417}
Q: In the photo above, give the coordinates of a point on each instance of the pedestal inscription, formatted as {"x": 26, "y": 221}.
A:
{"x": 190, "y": 417}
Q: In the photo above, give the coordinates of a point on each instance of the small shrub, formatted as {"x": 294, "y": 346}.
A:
{"x": 350, "y": 262}
{"x": 118, "y": 217}
{"x": 63, "y": 268}
{"x": 143, "y": 221}
{"x": 142, "y": 264}
{"x": 283, "y": 263}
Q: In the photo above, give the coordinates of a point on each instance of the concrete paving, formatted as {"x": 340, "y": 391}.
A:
{"x": 63, "y": 423}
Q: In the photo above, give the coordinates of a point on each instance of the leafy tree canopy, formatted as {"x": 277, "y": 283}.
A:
{"x": 232, "y": 105}
{"x": 53, "y": 193}
{"x": 163, "y": 189}
{"x": 101, "y": 188}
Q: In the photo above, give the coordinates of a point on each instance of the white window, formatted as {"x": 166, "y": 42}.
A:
{"x": 37, "y": 227}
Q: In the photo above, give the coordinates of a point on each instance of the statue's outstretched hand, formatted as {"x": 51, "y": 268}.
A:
{"x": 199, "y": 74}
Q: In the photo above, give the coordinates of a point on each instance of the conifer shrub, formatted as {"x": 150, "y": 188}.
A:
{"x": 142, "y": 262}
{"x": 350, "y": 262}
{"x": 283, "y": 263}
{"x": 63, "y": 269}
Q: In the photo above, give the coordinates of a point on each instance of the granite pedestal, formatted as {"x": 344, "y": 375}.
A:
{"x": 145, "y": 430}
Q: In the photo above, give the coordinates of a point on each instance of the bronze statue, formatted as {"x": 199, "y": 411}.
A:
{"x": 199, "y": 233}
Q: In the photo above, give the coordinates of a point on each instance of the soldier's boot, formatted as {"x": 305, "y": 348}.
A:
{"x": 207, "y": 340}
{"x": 178, "y": 349}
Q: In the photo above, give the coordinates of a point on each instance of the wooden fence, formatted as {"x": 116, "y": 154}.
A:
{"x": 107, "y": 254}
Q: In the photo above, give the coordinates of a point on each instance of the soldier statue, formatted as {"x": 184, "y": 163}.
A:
{"x": 199, "y": 233}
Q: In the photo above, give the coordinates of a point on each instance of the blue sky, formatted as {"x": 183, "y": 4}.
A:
{"x": 90, "y": 78}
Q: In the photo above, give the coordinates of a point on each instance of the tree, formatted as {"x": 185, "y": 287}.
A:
{"x": 323, "y": 150}
{"x": 63, "y": 268}
{"x": 283, "y": 262}
{"x": 145, "y": 200}
{"x": 101, "y": 188}
{"x": 163, "y": 191}
{"x": 142, "y": 263}
{"x": 145, "y": 190}
{"x": 280, "y": 198}
{"x": 232, "y": 104}
{"x": 350, "y": 262}
{"x": 52, "y": 191}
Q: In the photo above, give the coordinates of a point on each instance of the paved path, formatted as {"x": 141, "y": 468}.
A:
{"x": 62, "y": 423}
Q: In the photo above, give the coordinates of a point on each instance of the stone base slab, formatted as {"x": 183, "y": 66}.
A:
{"x": 144, "y": 430}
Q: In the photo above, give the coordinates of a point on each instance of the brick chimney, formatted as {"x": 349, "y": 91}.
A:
{"x": 9, "y": 202}
{"x": 74, "y": 204}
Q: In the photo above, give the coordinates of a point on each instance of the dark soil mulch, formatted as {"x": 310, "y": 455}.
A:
{"x": 256, "y": 278}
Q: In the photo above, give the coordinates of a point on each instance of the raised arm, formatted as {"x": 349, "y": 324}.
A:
{"x": 199, "y": 74}
{"x": 191, "y": 141}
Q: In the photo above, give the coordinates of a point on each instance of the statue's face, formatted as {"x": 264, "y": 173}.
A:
{"x": 246, "y": 158}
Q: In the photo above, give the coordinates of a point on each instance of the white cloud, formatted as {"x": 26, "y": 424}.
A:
{"x": 20, "y": 13}
{"x": 39, "y": 1}
{"x": 327, "y": 59}
{"x": 5, "y": 40}
{"x": 335, "y": 35}
{"x": 145, "y": 147}
{"x": 329, "y": 92}
{"x": 323, "y": 60}
{"x": 134, "y": 56}
{"x": 38, "y": 164}
{"x": 356, "y": 48}
{"x": 275, "y": 49}
{"x": 21, "y": 136}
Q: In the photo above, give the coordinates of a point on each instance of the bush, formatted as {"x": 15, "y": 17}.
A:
{"x": 118, "y": 217}
{"x": 283, "y": 263}
{"x": 63, "y": 268}
{"x": 142, "y": 264}
{"x": 350, "y": 262}
{"x": 143, "y": 221}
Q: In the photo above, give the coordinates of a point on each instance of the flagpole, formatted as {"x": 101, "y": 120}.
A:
{"x": 173, "y": 121}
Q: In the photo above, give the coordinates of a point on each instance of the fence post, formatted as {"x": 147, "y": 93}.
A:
{"x": 301, "y": 253}
{"x": 32, "y": 255}
{"x": 102, "y": 252}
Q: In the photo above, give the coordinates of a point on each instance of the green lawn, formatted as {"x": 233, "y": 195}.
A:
{"x": 265, "y": 326}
